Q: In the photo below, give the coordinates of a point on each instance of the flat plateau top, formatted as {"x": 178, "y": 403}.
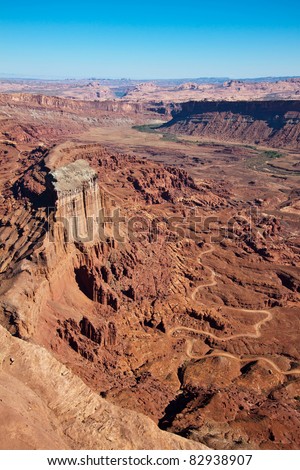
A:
{"x": 72, "y": 176}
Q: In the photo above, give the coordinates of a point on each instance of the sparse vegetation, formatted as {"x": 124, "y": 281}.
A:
{"x": 150, "y": 128}
{"x": 259, "y": 162}
{"x": 170, "y": 138}
{"x": 153, "y": 128}
{"x": 253, "y": 147}
{"x": 272, "y": 154}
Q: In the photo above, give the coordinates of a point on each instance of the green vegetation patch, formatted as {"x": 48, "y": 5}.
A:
{"x": 151, "y": 128}
{"x": 155, "y": 129}
{"x": 272, "y": 154}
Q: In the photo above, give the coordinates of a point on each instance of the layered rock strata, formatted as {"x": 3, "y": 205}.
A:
{"x": 273, "y": 123}
{"x": 78, "y": 200}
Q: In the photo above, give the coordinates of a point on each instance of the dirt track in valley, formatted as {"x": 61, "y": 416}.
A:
{"x": 256, "y": 334}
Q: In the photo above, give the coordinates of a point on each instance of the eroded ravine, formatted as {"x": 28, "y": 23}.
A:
{"x": 257, "y": 327}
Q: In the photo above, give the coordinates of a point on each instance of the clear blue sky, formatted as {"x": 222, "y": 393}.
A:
{"x": 155, "y": 39}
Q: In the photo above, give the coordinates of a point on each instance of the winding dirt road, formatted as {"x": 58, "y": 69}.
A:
{"x": 256, "y": 334}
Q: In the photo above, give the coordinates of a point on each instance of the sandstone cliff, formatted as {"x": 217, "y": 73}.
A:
{"x": 78, "y": 200}
{"x": 273, "y": 123}
{"x": 93, "y": 108}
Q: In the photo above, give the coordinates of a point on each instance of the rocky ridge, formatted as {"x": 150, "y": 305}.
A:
{"x": 272, "y": 123}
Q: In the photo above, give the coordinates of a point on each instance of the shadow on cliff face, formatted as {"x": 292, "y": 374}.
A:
{"x": 275, "y": 113}
{"x": 85, "y": 281}
{"x": 34, "y": 185}
{"x": 271, "y": 122}
{"x": 92, "y": 284}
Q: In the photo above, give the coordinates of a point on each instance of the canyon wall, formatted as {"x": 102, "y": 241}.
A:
{"x": 269, "y": 123}
{"x": 93, "y": 108}
{"x": 273, "y": 123}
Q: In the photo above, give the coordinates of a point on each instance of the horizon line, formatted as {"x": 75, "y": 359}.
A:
{"x": 49, "y": 78}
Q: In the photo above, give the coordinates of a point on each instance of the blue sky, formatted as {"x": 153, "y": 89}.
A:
{"x": 157, "y": 39}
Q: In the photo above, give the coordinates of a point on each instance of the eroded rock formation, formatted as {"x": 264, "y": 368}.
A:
{"x": 274, "y": 123}
{"x": 78, "y": 200}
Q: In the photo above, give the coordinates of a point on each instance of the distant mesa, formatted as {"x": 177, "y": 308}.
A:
{"x": 188, "y": 86}
{"x": 147, "y": 87}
